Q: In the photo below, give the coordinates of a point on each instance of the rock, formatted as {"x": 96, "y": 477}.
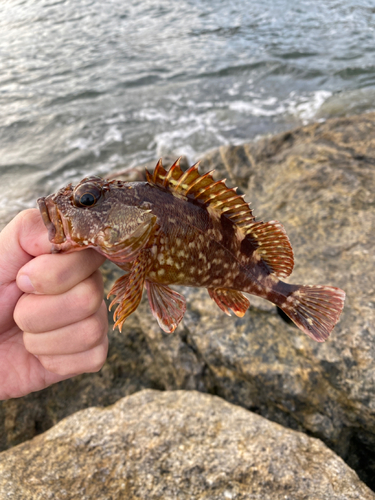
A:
{"x": 319, "y": 182}
{"x": 169, "y": 445}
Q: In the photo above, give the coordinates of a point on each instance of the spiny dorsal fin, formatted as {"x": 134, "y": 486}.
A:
{"x": 206, "y": 190}
{"x": 272, "y": 246}
{"x": 268, "y": 238}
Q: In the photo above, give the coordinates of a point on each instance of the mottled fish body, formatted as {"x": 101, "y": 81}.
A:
{"x": 183, "y": 228}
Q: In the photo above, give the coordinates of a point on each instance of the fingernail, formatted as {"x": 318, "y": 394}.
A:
{"x": 24, "y": 283}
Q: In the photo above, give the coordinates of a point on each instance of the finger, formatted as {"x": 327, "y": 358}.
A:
{"x": 57, "y": 273}
{"x": 44, "y": 313}
{"x": 73, "y": 364}
{"x": 23, "y": 238}
{"x": 72, "y": 339}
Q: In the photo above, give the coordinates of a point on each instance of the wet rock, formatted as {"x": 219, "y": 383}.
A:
{"x": 319, "y": 182}
{"x": 175, "y": 445}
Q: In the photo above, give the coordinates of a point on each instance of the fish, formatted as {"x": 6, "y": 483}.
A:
{"x": 185, "y": 228}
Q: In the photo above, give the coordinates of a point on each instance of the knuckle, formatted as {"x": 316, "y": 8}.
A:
{"x": 58, "y": 274}
{"x": 98, "y": 357}
{"x": 42, "y": 274}
{"x": 28, "y": 341}
{"x": 87, "y": 297}
{"x": 93, "y": 330}
{"x": 24, "y": 321}
{"x": 27, "y": 217}
{"x": 50, "y": 363}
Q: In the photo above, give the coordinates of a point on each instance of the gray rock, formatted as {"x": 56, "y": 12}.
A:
{"x": 175, "y": 445}
{"x": 319, "y": 182}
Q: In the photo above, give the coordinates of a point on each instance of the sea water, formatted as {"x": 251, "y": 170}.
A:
{"x": 87, "y": 86}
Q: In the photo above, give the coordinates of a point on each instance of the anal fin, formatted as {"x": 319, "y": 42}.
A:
{"x": 227, "y": 299}
{"x": 167, "y": 306}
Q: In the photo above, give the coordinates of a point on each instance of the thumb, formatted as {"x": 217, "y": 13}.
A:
{"x": 22, "y": 239}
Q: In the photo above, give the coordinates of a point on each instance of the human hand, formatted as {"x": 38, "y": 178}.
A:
{"x": 57, "y": 330}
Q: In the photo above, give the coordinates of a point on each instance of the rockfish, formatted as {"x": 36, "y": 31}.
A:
{"x": 183, "y": 228}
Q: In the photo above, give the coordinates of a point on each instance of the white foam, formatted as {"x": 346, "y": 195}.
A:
{"x": 80, "y": 143}
{"x": 113, "y": 134}
{"x": 258, "y": 107}
{"x": 151, "y": 114}
{"x": 306, "y": 107}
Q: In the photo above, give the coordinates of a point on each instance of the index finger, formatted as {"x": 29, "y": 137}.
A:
{"x": 57, "y": 273}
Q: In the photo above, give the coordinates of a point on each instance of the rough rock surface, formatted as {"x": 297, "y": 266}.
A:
{"x": 175, "y": 445}
{"x": 319, "y": 181}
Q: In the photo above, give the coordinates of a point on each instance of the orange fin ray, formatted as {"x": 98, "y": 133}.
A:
{"x": 159, "y": 173}
{"x": 173, "y": 174}
{"x": 149, "y": 177}
{"x": 128, "y": 290}
{"x": 211, "y": 191}
{"x": 204, "y": 189}
{"x": 272, "y": 246}
{"x": 227, "y": 299}
{"x": 118, "y": 289}
{"x": 199, "y": 184}
{"x": 188, "y": 177}
{"x": 167, "y": 306}
{"x": 315, "y": 309}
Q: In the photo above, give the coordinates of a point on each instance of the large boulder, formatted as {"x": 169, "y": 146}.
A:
{"x": 184, "y": 445}
{"x": 319, "y": 181}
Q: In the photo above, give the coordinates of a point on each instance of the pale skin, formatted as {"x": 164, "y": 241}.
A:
{"x": 53, "y": 320}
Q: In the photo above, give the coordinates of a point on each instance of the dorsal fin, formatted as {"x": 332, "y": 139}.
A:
{"x": 204, "y": 189}
{"x": 272, "y": 245}
{"x": 268, "y": 240}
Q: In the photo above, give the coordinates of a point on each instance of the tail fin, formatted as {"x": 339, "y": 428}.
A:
{"x": 315, "y": 309}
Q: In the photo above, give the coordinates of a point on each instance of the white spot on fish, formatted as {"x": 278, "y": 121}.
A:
{"x": 201, "y": 256}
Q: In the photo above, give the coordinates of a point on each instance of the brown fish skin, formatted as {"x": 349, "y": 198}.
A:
{"x": 183, "y": 228}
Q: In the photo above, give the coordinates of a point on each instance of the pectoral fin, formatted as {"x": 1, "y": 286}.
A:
{"x": 128, "y": 289}
{"x": 167, "y": 306}
{"x": 228, "y": 299}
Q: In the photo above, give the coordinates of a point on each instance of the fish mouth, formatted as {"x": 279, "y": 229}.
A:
{"x": 52, "y": 221}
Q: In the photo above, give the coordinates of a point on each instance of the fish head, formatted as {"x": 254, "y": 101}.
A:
{"x": 99, "y": 214}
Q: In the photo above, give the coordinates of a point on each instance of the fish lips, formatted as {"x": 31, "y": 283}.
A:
{"x": 52, "y": 221}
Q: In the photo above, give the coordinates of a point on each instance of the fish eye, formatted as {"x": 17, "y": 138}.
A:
{"x": 87, "y": 200}
{"x": 86, "y": 195}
